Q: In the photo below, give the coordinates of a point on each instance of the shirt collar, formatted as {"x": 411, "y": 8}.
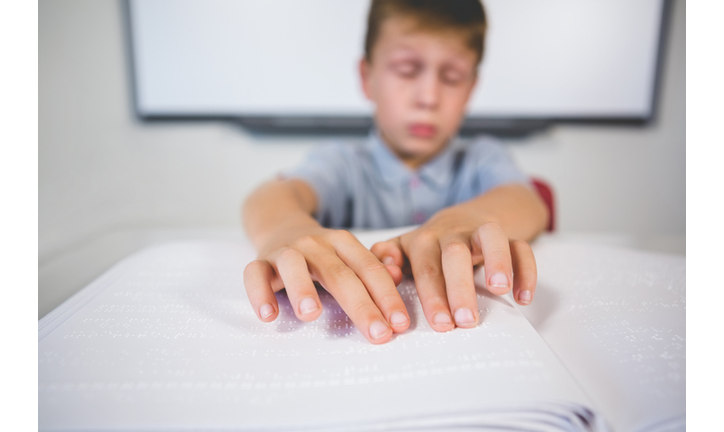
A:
{"x": 437, "y": 172}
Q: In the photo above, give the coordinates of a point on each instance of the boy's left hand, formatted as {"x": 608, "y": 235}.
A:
{"x": 441, "y": 255}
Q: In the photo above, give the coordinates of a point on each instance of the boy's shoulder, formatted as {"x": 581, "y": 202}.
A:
{"x": 479, "y": 147}
{"x": 336, "y": 154}
{"x": 349, "y": 149}
{"x": 482, "y": 142}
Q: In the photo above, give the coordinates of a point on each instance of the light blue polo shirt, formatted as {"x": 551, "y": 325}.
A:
{"x": 367, "y": 186}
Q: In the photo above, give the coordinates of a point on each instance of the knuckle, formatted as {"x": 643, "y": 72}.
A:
{"x": 423, "y": 238}
{"x": 344, "y": 236}
{"x": 365, "y": 310}
{"x": 491, "y": 226}
{"x": 427, "y": 235}
{"x": 459, "y": 231}
{"x": 305, "y": 242}
{"x": 389, "y": 299}
{"x": 456, "y": 249}
{"x": 288, "y": 254}
{"x": 372, "y": 266}
{"x": 337, "y": 272}
{"x": 498, "y": 255}
{"x": 429, "y": 270}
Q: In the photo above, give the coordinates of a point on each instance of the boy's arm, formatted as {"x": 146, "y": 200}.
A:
{"x": 493, "y": 229}
{"x": 294, "y": 251}
{"x": 519, "y": 211}
{"x": 276, "y": 204}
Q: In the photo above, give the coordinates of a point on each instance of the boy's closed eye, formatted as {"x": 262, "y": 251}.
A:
{"x": 406, "y": 68}
{"x": 453, "y": 76}
{"x": 411, "y": 68}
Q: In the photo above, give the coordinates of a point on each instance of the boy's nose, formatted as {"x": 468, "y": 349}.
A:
{"x": 428, "y": 91}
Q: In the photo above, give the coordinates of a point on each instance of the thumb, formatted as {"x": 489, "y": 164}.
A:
{"x": 390, "y": 254}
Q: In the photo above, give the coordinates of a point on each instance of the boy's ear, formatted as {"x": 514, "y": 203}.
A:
{"x": 364, "y": 76}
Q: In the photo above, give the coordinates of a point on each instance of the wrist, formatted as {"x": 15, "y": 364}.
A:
{"x": 292, "y": 222}
{"x": 463, "y": 215}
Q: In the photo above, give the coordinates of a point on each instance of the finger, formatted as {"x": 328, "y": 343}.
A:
{"x": 375, "y": 277}
{"x": 390, "y": 254}
{"x": 395, "y": 273}
{"x": 524, "y": 270}
{"x": 457, "y": 267}
{"x": 494, "y": 246}
{"x": 344, "y": 285}
{"x": 292, "y": 268}
{"x": 424, "y": 254}
{"x": 257, "y": 281}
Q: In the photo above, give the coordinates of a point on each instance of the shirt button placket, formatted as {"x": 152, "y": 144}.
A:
{"x": 418, "y": 216}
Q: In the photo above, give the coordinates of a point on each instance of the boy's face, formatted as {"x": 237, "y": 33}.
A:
{"x": 420, "y": 83}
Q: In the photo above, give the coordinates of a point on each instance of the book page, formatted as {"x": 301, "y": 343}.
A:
{"x": 167, "y": 340}
{"x": 616, "y": 318}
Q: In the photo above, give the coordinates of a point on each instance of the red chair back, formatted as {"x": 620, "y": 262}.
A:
{"x": 546, "y": 192}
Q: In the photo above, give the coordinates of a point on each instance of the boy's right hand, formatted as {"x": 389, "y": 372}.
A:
{"x": 295, "y": 257}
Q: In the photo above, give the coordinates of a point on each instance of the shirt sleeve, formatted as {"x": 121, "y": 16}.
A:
{"x": 494, "y": 166}
{"x": 327, "y": 170}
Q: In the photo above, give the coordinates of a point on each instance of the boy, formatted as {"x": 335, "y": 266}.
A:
{"x": 419, "y": 70}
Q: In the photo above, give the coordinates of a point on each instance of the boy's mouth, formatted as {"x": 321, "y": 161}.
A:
{"x": 422, "y": 130}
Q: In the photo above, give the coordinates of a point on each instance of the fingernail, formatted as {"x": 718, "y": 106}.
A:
{"x": 308, "y": 305}
{"x": 499, "y": 280}
{"x": 388, "y": 261}
{"x": 464, "y": 316}
{"x": 398, "y": 319}
{"x": 442, "y": 318}
{"x": 525, "y": 296}
{"x": 378, "y": 329}
{"x": 266, "y": 310}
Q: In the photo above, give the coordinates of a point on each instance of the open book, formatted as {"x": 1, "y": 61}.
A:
{"x": 166, "y": 340}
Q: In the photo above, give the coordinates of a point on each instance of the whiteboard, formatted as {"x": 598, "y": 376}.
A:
{"x": 545, "y": 59}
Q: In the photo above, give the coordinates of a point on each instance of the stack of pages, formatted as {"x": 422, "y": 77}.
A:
{"x": 166, "y": 340}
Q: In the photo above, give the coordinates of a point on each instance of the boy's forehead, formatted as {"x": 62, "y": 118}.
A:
{"x": 406, "y": 32}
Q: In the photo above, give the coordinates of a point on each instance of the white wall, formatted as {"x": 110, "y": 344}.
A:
{"x": 102, "y": 170}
